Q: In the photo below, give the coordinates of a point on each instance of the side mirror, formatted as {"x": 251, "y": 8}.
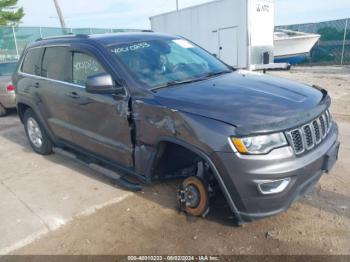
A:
{"x": 102, "y": 84}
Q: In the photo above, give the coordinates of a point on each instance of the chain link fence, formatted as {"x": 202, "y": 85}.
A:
{"x": 333, "y": 48}
{"x": 13, "y": 40}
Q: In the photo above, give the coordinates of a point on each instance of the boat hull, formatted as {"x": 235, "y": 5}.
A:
{"x": 291, "y": 59}
{"x": 294, "y": 50}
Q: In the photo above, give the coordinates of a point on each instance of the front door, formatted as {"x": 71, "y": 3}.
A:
{"x": 100, "y": 121}
{"x": 228, "y": 45}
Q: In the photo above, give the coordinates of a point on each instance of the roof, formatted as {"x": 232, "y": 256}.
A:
{"x": 105, "y": 39}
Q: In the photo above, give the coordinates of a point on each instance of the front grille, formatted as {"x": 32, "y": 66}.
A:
{"x": 316, "y": 127}
{"x": 323, "y": 125}
{"x": 308, "y": 136}
{"x": 297, "y": 140}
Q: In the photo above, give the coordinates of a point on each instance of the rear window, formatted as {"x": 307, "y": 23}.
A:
{"x": 54, "y": 62}
{"x": 7, "y": 69}
{"x": 31, "y": 62}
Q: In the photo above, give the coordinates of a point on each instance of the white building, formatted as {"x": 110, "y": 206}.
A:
{"x": 240, "y": 32}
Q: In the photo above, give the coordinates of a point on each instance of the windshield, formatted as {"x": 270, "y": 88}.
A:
{"x": 165, "y": 62}
{"x": 7, "y": 69}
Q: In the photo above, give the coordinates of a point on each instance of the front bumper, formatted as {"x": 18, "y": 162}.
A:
{"x": 8, "y": 100}
{"x": 240, "y": 174}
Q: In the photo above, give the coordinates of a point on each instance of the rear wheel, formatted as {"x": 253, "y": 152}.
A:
{"x": 193, "y": 196}
{"x": 3, "y": 111}
{"x": 38, "y": 139}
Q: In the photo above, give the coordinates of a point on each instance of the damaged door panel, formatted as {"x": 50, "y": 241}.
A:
{"x": 99, "y": 121}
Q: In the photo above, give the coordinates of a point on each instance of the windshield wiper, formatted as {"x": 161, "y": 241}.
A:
{"x": 175, "y": 83}
{"x": 201, "y": 78}
{"x": 212, "y": 74}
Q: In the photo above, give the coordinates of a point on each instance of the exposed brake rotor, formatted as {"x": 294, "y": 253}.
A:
{"x": 193, "y": 197}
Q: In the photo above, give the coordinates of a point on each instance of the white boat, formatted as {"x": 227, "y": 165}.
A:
{"x": 292, "y": 46}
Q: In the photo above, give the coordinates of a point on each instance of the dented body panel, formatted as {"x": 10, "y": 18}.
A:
{"x": 155, "y": 123}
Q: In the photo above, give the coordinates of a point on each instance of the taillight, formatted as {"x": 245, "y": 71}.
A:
{"x": 10, "y": 88}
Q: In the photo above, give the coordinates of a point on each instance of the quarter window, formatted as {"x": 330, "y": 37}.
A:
{"x": 31, "y": 62}
{"x": 85, "y": 66}
{"x": 54, "y": 63}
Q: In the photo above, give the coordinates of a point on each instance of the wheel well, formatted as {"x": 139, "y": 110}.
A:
{"x": 22, "y": 108}
{"x": 176, "y": 161}
{"x": 170, "y": 159}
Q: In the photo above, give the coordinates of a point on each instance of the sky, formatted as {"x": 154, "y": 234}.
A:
{"x": 135, "y": 13}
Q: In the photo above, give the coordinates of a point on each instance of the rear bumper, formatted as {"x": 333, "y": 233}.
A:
{"x": 241, "y": 173}
{"x": 8, "y": 100}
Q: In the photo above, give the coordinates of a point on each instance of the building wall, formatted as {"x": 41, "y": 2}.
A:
{"x": 201, "y": 24}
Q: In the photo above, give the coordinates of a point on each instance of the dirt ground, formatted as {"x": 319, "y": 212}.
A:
{"x": 149, "y": 223}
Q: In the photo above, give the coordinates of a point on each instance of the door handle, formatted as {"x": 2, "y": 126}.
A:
{"x": 73, "y": 95}
{"x": 37, "y": 85}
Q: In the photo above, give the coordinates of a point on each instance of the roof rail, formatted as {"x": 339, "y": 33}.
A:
{"x": 69, "y": 35}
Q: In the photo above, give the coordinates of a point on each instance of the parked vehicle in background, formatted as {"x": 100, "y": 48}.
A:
{"x": 157, "y": 106}
{"x": 7, "y": 90}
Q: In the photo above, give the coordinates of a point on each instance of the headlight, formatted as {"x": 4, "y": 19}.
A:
{"x": 259, "y": 144}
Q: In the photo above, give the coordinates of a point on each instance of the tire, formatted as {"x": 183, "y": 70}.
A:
{"x": 36, "y": 134}
{"x": 201, "y": 206}
{"x": 3, "y": 111}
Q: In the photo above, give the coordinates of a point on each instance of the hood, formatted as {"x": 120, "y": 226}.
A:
{"x": 243, "y": 99}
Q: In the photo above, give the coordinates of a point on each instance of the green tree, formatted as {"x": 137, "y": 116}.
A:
{"x": 10, "y": 14}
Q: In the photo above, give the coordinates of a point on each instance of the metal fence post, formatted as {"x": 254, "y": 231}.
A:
{"x": 14, "y": 37}
{"x": 343, "y": 50}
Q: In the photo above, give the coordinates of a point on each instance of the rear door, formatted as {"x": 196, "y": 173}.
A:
{"x": 29, "y": 75}
{"x": 99, "y": 121}
{"x": 53, "y": 88}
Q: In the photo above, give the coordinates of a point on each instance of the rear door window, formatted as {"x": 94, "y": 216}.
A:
{"x": 31, "y": 62}
{"x": 84, "y": 66}
{"x": 54, "y": 63}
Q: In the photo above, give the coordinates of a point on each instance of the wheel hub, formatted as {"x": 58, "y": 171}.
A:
{"x": 189, "y": 196}
{"x": 34, "y": 132}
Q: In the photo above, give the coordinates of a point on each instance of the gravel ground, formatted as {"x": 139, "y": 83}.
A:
{"x": 148, "y": 222}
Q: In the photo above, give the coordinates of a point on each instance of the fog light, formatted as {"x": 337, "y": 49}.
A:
{"x": 268, "y": 187}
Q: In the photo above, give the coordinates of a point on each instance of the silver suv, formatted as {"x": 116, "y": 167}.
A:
{"x": 7, "y": 90}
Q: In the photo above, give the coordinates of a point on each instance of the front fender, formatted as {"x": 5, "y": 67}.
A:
{"x": 153, "y": 121}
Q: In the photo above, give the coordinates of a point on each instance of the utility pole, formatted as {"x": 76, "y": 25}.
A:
{"x": 60, "y": 15}
{"x": 177, "y": 5}
{"x": 344, "y": 40}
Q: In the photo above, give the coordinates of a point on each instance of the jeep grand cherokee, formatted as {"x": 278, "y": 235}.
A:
{"x": 157, "y": 106}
